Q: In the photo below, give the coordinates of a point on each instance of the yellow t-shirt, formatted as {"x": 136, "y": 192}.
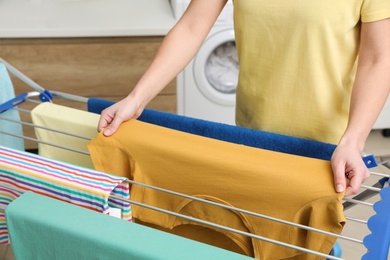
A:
{"x": 283, "y": 186}
{"x": 298, "y": 63}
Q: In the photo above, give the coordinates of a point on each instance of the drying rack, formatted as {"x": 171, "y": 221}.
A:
{"x": 374, "y": 197}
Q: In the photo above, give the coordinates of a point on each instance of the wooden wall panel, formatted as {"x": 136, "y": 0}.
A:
{"x": 106, "y": 68}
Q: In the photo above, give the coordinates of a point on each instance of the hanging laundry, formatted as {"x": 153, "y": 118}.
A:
{"x": 228, "y": 133}
{"x": 73, "y": 121}
{"x": 7, "y": 93}
{"x": 77, "y": 185}
{"x": 55, "y": 230}
{"x": 283, "y": 186}
{"x": 6, "y": 197}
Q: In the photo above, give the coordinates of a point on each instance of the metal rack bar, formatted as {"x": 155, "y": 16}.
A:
{"x": 244, "y": 211}
{"x": 327, "y": 256}
{"x": 207, "y": 223}
{"x": 22, "y": 77}
{"x": 374, "y": 189}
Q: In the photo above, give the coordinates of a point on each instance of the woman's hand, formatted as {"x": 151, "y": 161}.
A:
{"x": 113, "y": 116}
{"x": 349, "y": 169}
{"x": 369, "y": 94}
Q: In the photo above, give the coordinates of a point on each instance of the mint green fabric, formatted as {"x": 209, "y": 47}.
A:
{"x": 7, "y": 93}
{"x": 44, "y": 228}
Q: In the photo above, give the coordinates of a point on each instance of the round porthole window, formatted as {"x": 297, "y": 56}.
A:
{"x": 222, "y": 68}
{"x": 216, "y": 68}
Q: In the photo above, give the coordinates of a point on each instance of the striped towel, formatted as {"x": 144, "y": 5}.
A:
{"x": 80, "y": 186}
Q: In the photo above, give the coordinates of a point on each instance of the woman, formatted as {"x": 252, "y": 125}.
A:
{"x": 312, "y": 69}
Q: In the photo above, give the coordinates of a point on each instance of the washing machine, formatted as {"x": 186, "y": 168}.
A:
{"x": 383, "y": 121}
{"x": 206, "y": 88}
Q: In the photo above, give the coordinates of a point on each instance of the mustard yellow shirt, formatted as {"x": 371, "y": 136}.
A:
{"x": 283, "y": 186}
{"x": 298, "y": 63}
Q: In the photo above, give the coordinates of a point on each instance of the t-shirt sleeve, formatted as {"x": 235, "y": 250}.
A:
{"x": 375, "y": 10}
{"x": 109, "y": 156}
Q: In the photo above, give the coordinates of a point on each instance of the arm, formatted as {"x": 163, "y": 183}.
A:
{"x": 176, "y": 51}
{"x": 370, "y": 91}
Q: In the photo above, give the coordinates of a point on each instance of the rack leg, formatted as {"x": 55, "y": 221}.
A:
{"x": 386, "y": 132}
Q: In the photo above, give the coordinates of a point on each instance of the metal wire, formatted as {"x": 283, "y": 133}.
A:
{"x": 244, "y": 211}
{"x": 327, "y": 256}
{"x": 81, "y": 99}
{"x": 195, "y": 198}
{"x": 359, "y": 202}
{"x": 43, "y": 127}
{"x": 356, "y": 220}
{"x": 207, "y": 223}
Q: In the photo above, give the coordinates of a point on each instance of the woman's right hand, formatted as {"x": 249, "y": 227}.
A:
{"x": 112, "y": 117}
{"x": 177, "y": 49}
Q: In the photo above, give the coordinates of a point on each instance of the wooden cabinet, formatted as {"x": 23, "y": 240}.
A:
{"x": 105, "y": 68}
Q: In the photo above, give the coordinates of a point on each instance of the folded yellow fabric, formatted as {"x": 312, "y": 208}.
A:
{"x": 288, "y": 187}
{"x": 68, "y": 120}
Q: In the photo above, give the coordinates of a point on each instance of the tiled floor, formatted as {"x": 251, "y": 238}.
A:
{"x": 377, "y": 144}
{"x": 6, "y": 252}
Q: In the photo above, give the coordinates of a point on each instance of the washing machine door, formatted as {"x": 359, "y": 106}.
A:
{"x": 216, "y": 67}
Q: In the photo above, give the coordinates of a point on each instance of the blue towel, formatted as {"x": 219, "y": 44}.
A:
{"x": 229, "y": 133}
{"x": 7, "y": 93}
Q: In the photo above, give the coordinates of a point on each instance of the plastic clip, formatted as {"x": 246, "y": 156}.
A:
{"x": 385, "y": 182}
{"x": 46, "y": 96}
{"x": 13, "y": 102}
{"x": 369, "y": 161}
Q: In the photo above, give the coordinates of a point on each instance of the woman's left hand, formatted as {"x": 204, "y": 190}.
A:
{"x": 349, "y": 169}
